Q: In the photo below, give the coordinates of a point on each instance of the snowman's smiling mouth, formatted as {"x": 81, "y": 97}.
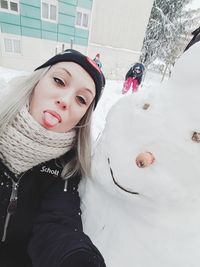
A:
{"x": 117, "y": 184}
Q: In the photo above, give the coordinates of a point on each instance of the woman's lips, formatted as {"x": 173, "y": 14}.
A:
{"x": 51, "y": 118}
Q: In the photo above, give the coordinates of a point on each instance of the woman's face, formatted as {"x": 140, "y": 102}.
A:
{"x": 62, "y": 97}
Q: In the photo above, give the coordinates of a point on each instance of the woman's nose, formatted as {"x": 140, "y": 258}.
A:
{"x": 62, "y": 104}
{"x": 63, "y": 101}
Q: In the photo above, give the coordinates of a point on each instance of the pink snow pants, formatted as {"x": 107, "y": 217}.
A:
{"x": 127, "y": 85}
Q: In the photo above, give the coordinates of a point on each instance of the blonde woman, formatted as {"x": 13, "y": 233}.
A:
{"x": 44, "y": 150}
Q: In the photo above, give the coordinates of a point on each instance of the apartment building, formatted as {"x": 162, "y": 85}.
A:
{"x": 32, "y": 31}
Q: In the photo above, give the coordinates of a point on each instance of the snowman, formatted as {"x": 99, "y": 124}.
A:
{"x": 141, "y": 205}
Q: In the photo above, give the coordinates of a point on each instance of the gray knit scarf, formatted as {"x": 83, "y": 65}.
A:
{"x": 25, "y": 143}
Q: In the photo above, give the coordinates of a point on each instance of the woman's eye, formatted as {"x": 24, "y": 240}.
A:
{"x": 59, "y": 81}
{"x": 81, "y": 100}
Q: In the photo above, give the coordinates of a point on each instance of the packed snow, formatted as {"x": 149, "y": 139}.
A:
{"x": 145, "y": 216}
{"x": 149, "y": 216}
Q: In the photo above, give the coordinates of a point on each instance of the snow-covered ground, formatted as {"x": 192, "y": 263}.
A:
{"x": 145, "y": 216}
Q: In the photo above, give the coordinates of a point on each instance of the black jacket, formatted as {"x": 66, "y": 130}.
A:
{"x": 45, "y": 229}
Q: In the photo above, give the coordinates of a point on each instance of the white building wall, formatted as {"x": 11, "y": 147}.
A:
{"x": 117, "y": 33}
{"x": 34, "y": 52}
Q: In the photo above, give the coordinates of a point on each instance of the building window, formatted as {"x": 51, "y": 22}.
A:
{"x": 12, "y": 45}
{"x": 82, "y": 18}
{"x": 11, "y": 6}
{"x": 49, "y": 10}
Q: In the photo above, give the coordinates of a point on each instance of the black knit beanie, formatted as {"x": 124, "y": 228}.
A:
{"x": 85, "y": 62}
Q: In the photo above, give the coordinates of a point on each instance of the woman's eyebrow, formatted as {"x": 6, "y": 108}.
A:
{"x": 89, "y": 91}
{"x": 68, "y": 73}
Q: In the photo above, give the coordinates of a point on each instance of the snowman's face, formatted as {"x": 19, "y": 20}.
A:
{"x": 165, "y": 130}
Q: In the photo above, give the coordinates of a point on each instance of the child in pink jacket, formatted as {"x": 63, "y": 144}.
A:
{"x": 133, "y": 77}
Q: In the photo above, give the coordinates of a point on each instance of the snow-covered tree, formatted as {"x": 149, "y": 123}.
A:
{"x": 167, "y": 32}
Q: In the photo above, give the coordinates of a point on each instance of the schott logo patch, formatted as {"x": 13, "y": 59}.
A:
{"x": 50, "y": 171}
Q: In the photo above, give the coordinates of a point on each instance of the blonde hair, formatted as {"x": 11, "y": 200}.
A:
{"x": 19, "y": 91}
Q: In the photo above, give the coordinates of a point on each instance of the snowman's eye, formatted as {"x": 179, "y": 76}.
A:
{"x": 196, "y": 137}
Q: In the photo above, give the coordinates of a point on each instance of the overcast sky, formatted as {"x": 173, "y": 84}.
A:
{"x": 195, "y": 4}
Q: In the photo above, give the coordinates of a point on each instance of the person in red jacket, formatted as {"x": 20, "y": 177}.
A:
{"x": 133, "y": 78}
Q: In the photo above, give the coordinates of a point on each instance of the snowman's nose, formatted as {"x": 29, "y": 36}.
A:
{"x": 145, "y": 159}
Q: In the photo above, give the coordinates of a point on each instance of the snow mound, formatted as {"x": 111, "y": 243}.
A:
{"x": 149, "y": 216}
